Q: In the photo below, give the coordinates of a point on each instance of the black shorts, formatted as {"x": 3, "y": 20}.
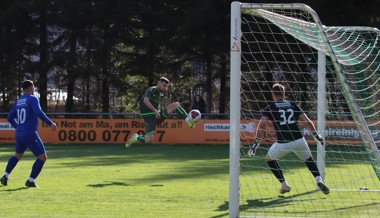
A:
{"x": 150, "y": 125}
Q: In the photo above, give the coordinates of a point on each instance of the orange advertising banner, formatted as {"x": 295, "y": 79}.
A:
{"x": 171, "y": 131}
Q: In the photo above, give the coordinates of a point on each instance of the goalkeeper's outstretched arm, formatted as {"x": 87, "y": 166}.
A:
{"x": 261, "y": 127}
{"x": 259, "y": 134}
{"x": 310, "y": 125}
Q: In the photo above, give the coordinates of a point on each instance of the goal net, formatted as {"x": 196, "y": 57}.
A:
{"x": 333, "y": 74}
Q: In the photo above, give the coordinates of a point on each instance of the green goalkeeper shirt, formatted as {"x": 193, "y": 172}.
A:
{"x": 154, "y": 97}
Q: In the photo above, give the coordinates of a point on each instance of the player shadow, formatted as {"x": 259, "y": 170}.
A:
{"x": 157, "y": 185}
{"x": 279, "y": 202}
{"x": 264, "y": 202}
{"x": 117, "y": 154}
{"x": 13, "y": 190}
{"x": 102, "y": 185}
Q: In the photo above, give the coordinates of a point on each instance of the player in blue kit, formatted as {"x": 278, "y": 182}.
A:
{"x": 24, "y": 118}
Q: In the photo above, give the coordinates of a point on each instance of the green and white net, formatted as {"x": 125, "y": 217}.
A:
{"x": 281, "y": 46}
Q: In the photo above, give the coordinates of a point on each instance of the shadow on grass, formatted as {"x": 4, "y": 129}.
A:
{"x": 116, "y": 154}
{"x": 282, "y": 201}
{"x": 13, "y": 190}
{"x": 193, "y": 160}
{"x": 187, "y": 161}
{"x": 279, "y": 202}
{"x": 101, "y": 185}
{"x": 263, "y": 202}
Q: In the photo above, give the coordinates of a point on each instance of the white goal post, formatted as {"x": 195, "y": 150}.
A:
{"x": 325, "y": 46}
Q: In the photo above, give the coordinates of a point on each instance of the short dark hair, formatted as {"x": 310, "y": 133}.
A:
{"x": 278, "y": 90}
{"x": 164, "y": 79}
{"x": 26, "y": 84}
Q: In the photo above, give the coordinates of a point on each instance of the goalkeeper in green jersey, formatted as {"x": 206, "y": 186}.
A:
{"x": 152, "y": 116}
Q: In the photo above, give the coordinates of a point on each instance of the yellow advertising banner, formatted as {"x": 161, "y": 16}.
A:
{"x": 171, "y": 131}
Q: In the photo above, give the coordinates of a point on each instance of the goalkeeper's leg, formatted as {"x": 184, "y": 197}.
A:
{"x": 302, "y": 150}
{"x": 312, "y": 165}
{"x": 277, "y": 172}
{"x": 273, "y": 155}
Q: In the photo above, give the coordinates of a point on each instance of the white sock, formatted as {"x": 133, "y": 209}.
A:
{"x": 6, "y": 175}
{"x": 31, "y": 179}
{"x": 284, "y": 183}
{"x": 319, "y": 179}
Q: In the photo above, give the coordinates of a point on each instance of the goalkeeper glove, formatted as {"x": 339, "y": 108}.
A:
{"x": 253, "y": 148}
{"x": 318, "y": 137}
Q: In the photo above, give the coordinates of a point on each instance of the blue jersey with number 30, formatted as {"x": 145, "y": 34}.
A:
{"x": 25, "y": 113}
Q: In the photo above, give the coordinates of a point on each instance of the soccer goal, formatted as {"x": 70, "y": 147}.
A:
{"x": 333, "y": 73}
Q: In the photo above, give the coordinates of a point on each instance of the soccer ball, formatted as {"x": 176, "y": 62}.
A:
{"x": 195, "y": 115}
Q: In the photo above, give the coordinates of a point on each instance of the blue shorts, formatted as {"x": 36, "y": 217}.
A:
{"x": 31, "y": 141}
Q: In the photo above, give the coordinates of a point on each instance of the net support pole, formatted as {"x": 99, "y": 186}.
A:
{"x": 235, "y": 64}
{"x": 321, "y": 112}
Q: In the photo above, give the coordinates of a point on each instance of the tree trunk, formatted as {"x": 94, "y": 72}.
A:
{"x": 223, "y": 78}
{"x": 43, "y": 49}
{"x": 105, "y": 72}
{"x": 209, "y": 84}
{"x": 87, "y": 75}
{"x": 105, "y": 93}
{"x": 71, "y": 72}
{"x": 151, "y": 64}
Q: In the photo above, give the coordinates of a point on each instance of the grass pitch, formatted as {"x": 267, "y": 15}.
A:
{"x": 156, "y": 181}
{"x": 112, "y": 181}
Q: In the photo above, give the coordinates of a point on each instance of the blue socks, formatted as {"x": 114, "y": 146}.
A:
{"x": 36, "y": 169}
{"x": 11, "y": 165}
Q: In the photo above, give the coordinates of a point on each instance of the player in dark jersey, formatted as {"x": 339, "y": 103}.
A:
{"x": 285, "y": 116}
{"x": 152, "y": 116}
{"x": 24, "y": 118}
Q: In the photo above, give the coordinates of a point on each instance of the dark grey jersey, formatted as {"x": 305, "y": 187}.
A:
{"x": 284, "y": 115}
